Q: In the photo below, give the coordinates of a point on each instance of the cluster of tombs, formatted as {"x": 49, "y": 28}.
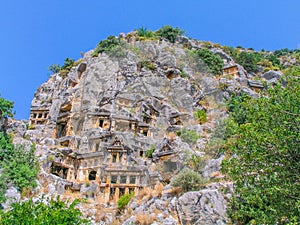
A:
{"x": 97, "y": 150}
{"x": 107, "y": 145}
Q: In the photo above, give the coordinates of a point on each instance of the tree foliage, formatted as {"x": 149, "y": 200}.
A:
{"x": 188, "y": 180}
{"x": 18, "y": 165}
{"x": 144, "y": 33}
{"x": 214, "y": 62}
{"x": 54, "y": 68}
{"x": 56, "y": 212}
{"x": 188, "y": 136}
{"x": 6, "y": 108}
{"x": 149, "y": 152}
{"x": 107, "y": 45}
{"x": 68, "y": 64}
{"x": 169, "y": 33}
{"x": 200, "y": 115}
{"x": 124, "y": 200}
{"x": 263, "y": 156}
{"x": 249, "y": 60}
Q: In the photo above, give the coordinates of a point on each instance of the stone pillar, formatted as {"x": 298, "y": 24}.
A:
{"x": 106, "y": 194}
{"x": 116, "y": 198}
{"x": 118, "y": 158}
{"x": 126, "y": 190}
{"x": 70, "y": 174}
{"x": 80, "y": 176}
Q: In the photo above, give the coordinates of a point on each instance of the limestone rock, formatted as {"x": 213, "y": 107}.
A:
{"x": 12, "y": 195}
{"x": 207, "y": 206}
{"x": 250, "y": 92}
{"x": 271, "y": 75}
{"x": 256, "y": 84}
{"x": 212, "y": 168}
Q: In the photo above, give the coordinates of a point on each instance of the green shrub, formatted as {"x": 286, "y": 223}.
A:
{"x": 193, "y": 161}
{"x": 65, "y": 69}
{"x": 117, "y": 52}
{"x": 106, "y": 45}
{"x": 231, "y": 51}
{"x": 283, "y": 52}
{"x": 30, "y": 127}
{"x": 188, "y": 180}
{"x": 274, "y": 60}
{"x": 214, "y": 62}
{"x": 54, "y": 68}
{"x": 292, "y": 71}
{"x": 148, "y": 65}
{"x": 6, "y": 145}
{"x": 20, "y": 167}
{"x": 149, "y": 152}
{"x": 68, "y": 64}
{"x": 169, "y": 33}
{"x": 183, "y": 74}
{"x": 143, "y": 32}
{"x": 56, "y": 212}
{"x": 200, "y": 115}
{"x": 188, "y": 136}
{"x": 6, "y": 108}
{"x": 124, "y": 200}
{"x": 249, "y": 60}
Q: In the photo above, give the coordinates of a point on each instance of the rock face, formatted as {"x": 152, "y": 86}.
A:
{"x": 12, "y": 195}
{"x": 205, "y": 207}
{"x": 111, "y": 126}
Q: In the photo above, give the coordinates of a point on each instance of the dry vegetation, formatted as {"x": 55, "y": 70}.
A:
{"x": 144, "y": 218}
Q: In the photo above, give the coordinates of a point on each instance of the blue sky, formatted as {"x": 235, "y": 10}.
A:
{"x": 38, "y": 33}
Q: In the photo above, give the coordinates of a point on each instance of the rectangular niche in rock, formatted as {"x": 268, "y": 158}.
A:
{"x": 61, "y": 129}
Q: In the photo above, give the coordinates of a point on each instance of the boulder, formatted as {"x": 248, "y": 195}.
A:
{"x": 256, "y": 83}
{"x": 248, "y": 91}
{"x": 212, "y": 167}
{"x": 205, "y": 207}
{"x": 271, "y": 75}
{"x": 12, "y": 195}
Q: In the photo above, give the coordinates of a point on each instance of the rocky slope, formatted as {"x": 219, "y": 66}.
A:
{"x": 115, "y": 124}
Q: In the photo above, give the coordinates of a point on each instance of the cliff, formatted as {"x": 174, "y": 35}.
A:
{"x": 129, "y": 119}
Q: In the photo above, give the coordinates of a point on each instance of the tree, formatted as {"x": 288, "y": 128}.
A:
{"x": 249, "y": 60}
{"x": 214, "y": 62}
{"x": 107, "y": 45}
{"x": 18, "y": 165}
{"x": 143, "y": 32}
{"x": 6, "y": 108}
{"x": 124, "y": 200}
{"x": 188, "y": 136}
{"x": 169, "y": 33}
{"x": 263, "y": 157}
{"x": 54, "y": 68}
{"x": 55, "y": 212}
{"x": 68, "y": 64}
{"x": 188, "y": 180}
